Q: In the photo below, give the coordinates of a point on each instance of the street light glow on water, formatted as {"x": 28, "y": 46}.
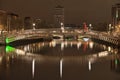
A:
{"x": 59, "y": 60}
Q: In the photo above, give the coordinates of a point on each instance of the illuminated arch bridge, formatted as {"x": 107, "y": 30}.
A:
{"x": 41, "y": 33}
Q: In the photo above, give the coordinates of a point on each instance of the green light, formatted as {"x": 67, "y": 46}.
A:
{"x": 9, "y": 49}
{"x": 116, "y": 61}
{"x": 7, "y": 40}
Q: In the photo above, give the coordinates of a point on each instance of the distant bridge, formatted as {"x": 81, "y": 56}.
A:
{"x": 57, "y": 32}
{"x": 39, "y": 33}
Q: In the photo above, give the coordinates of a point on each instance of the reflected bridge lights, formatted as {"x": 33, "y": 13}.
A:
{"x": 71, "y": 44}
{"x": 91, "y": 44}
{"x": 1, "y": 59}
{"x": 53, "y": 43}
{"x": 109, "y": 49}
{"x": 112, "y": 50}
{"x": 91, "y": 60}
{"x": 66, "y": 43}
{"x": 89, "y": 65}
{"x": 103, "y": 54}
{"x": 27, "y": 48}
{"x": 61, "y": 68}
{"x": 62, "y": 46}
{"x": 33, "y": 68}
{"x": 79, "y": 45}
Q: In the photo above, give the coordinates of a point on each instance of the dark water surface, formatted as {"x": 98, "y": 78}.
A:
{"x": 60, "y": 60}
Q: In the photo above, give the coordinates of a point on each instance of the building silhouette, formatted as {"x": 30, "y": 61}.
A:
{"x": 58, "y": 14}
{"x": 13, "y": 22}
{"x": 116, "y": 17}
{"x": 28, "y": 23}
{"x": 3, "y": 20}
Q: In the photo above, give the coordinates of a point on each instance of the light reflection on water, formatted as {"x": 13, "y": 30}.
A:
{"x": 56, "y": 60}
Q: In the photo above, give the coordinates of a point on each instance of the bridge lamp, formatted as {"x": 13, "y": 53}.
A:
{"x": 62, "y": 27}
{"x": 90, "y": 26}
{"x": 33, "y": 26}
{"x": 110, "y": 26}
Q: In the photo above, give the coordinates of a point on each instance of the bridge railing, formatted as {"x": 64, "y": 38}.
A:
{"x": 48, "y": 32}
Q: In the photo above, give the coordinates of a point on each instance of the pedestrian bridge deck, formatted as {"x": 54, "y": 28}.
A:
{"x": 38, "y": 33}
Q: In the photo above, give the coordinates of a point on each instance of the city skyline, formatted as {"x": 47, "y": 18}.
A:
{"x": 75, "y": 11}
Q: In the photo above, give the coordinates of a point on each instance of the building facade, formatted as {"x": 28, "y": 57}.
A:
{"x": 28, "y": 23}
{"x": 3, "y": 20}
{"x": 10, "y": 22}
{"x": 116, "y": 17}
{"x": 59, "y": 15}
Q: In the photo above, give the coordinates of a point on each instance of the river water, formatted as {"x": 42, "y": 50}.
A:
{"x": 60, "y": 60}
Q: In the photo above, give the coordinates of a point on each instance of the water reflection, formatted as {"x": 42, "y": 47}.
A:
{"x": 89, "y": 65}
{"x": 33, "y": 67}
{"x": 64, "y": 44}
{"x": 56, "y": 60}
{"x": 61, "y": 67}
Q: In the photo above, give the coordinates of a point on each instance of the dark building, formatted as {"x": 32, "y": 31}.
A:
{"x": 59, "y": 15}
{"x": 28, "y": 23}
{"x": 13, "y": 22}
{"x": 116, "y": 14}
{"x": 10, "y": 21}
{"x": 3, "y": 20}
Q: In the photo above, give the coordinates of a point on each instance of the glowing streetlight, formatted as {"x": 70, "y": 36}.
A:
{"x": 62, "y": 27}
{"x": 33, "y": 26}
{"x": 90, "y": 26}
{"x": 109, "y": 28}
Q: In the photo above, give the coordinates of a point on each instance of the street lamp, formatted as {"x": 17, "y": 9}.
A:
{"x": 62, "y": 27}
{"x": 34, "y": 26}
{"x": 110, "y": 27}
{"x": 90, "y": 27}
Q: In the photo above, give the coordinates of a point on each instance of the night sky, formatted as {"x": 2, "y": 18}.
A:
{"x": 76, "y": 11}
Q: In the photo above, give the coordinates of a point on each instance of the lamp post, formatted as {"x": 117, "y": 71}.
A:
{"x": 62, "y": 27}
{"x": 90, "y": 27}
{"x": 34, "y": 26}
{"x": 109, "y": 28}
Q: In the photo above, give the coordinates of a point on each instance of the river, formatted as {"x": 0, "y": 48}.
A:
{"x": 60, "y": 60}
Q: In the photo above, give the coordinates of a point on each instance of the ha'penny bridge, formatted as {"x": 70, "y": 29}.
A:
{"x": 49, "y": 34}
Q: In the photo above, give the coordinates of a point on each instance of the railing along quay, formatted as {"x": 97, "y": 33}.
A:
{"x": 107, "y": 38}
